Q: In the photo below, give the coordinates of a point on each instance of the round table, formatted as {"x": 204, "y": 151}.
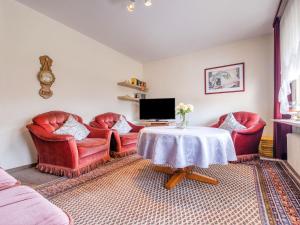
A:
{"x": 182, "y": 149}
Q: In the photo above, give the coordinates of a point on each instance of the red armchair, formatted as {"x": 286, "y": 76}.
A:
{"x": 121, "y": 144}
{"x": 246, "y": 141}
{"x": 63, "y": 155}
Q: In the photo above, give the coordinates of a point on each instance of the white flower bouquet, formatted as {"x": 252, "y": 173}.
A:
{"x": 183, "y": 109}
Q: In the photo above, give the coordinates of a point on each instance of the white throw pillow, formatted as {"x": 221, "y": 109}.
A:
{"x": 231, "y": 124}
{"x": 74, "y": 128}
{"x": 122, "y": 126}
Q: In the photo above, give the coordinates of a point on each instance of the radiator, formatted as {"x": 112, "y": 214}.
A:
{"x": 293, "y": 151}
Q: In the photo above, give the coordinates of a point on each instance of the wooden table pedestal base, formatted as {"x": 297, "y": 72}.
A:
{"x": 177, "y": 175}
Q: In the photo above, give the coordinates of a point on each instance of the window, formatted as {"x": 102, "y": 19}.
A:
{"x": 290, "y": 56}
{"x": 295, "y": 101}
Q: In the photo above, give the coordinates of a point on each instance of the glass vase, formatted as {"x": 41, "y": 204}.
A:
{"x": 183, "y": 123}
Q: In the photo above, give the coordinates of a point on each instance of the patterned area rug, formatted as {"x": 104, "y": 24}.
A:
{"x": 129, "y": 191}
{"x": 281, "y": 191}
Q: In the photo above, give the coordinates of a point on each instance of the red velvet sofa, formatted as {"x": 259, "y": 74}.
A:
{"x": 21, "y": 205}
{"x": 121, "y": 145}
{"x": 61, "y": 154}
{"x": 246, "y": 141}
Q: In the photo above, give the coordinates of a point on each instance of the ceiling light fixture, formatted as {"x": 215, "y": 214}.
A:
{"x": 148, "y": 3}
{"x": 131, "y": 6}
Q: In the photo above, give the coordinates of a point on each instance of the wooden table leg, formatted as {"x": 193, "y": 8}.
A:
{"x": 201, "y": 178}
{"x": 176, "y": 178}
{"x": 179, "y": 174}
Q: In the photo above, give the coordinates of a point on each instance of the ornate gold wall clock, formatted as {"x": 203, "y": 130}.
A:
{"x": 46, "y": 77}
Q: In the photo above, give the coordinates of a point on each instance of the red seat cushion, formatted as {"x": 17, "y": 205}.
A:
{"x": 130, "y": 138}
{"x": 90, "y": 146}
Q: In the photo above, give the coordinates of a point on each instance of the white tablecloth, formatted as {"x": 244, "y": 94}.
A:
{"x": 179, "y": 148}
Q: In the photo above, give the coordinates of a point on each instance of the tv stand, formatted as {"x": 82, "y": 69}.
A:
{"x": 157, "y": 123}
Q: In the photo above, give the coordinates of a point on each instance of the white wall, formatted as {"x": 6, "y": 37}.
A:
{"x": 182, "y": 77}
{"x": 86, "y": 76}
{"x": 87, "y": 73}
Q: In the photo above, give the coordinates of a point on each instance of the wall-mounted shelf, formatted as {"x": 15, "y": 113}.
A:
{"x": 127, "y": 84}
{"x": 128, "y": 98}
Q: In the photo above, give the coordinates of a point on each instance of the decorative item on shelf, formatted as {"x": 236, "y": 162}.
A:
{"x": 130, "y": 85}
{"x": 131, "y": 4}
{"x": 46, "y": 77}
{"x": 298, "y": 116}
{"x": 182, "y": 110}
{"x": 295, "y": 116}
{"x": 266, "y": 147}
{"x": 140, "y": 95}
{"x": 133, "y": 81}
{"x": 143, "y": 84}
{"x": 223, "y": 79}
{"x": 136, "y": 82}
{"x": 294, "y": 111}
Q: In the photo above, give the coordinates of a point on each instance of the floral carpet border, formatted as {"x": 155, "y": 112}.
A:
{"x": 278, "y": 192}
{"x": 59, "y": 186}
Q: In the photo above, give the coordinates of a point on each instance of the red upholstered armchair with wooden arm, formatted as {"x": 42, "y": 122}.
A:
{"x": 63, "y": 155}
{"x": 246, "y": 141}
{"x": 121, "y": 144}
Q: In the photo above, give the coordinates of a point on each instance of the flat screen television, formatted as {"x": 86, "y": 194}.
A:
{"x": 157, "y": 109}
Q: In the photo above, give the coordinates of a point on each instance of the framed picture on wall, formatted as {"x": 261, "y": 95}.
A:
{"x": 224, "y": 79}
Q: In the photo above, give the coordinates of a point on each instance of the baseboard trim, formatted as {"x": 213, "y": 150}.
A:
{"x": 16, "y": 169}
{"x": 296, "y": 175}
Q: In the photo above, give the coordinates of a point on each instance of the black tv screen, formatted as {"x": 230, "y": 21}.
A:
{"x": 157, "y": 109}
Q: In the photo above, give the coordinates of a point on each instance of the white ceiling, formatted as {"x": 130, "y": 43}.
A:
{"x": 167, "y": 28}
